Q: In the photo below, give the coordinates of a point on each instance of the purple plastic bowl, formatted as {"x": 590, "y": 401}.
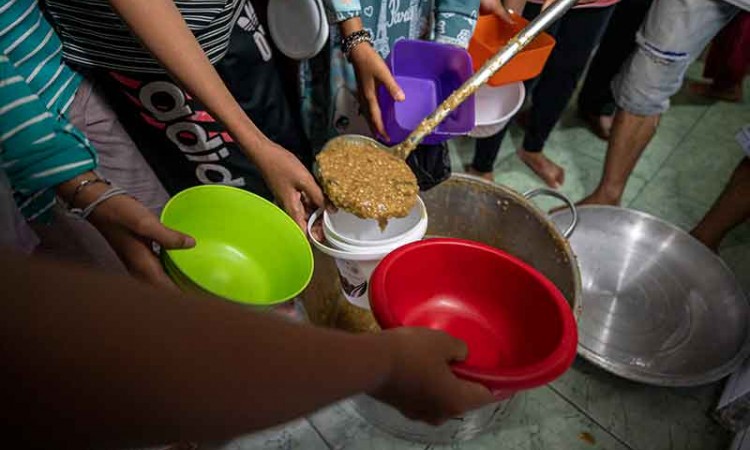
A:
{"x": 428, "y": 73}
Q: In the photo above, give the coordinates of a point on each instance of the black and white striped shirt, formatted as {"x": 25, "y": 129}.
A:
{"x": 94, "y": 36}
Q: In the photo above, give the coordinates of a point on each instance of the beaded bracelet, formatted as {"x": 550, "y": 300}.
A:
{"x": 358, "y": 37}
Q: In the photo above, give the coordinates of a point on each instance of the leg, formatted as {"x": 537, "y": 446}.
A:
{"x": 596, "y": 103}
{"x": 727, "y": 61}
{"x": 487, "y": 148}
{"x": 485, "y": 153}
{"x": 731, "y": 209}
{"x": 738, "y": 56}
{"x": 630, "y": 135}
{"x": 578, "y": 34}
{"x": 672, "y": 37}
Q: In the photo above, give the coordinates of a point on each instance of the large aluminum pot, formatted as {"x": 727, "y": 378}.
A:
{"x": 469, "y": 208}
{"x": 660, "y": 308}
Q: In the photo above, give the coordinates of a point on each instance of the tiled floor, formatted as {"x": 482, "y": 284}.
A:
{"x": 681, "y": 174}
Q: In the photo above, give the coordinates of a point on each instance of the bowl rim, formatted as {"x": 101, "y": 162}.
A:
{"x": 308, "y": 254}
{"x": 520, "y": 87}
{"x": 544, "y": 39}
{"x": 468, "y": 105}
{"x": 331, "y": 231}
{"x": 524, "y": 377}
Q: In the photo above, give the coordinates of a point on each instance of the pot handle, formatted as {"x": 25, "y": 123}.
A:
{"x": 552, "y": 193}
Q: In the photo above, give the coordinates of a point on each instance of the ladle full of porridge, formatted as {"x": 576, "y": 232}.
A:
{"x": 373, "y": 181}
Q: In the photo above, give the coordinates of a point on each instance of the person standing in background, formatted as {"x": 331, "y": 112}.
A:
{"x": 577, "y": 34}
{"x": 727, "y": 62}
{"x": 596, "y": 103}
{"x": 672, "y": 37}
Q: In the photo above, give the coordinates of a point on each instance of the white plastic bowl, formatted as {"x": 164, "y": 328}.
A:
{"x": 349, "y": 229}
{"x": 495, "y": 107}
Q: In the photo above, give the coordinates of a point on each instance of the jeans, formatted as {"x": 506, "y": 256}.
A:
{"x": 617, "y": 44}
{"x": 672, "y": 37}
{"x": 577, "y": 34}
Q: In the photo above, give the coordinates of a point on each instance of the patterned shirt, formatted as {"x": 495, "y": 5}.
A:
{"x": 328, "y": 81}
{"x": 38, "y": 147}
{"x": 454, "y": 20}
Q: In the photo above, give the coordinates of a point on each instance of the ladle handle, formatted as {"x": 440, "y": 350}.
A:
{"x": 511, "y": 49}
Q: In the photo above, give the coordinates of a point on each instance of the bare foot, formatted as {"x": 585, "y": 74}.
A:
{"x": 489, "y": 176}
{"x": 545, "y": 168}
{"x": 730, "y": 94}
{"x": 597, "y": 197}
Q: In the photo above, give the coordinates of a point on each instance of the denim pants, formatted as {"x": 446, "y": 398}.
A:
{"x": 673, "y": 35}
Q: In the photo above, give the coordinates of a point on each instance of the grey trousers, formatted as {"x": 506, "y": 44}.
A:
{"x": 72, "y": 239}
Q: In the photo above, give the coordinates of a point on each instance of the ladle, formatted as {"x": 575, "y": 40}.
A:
{"x": 402, "y": 150}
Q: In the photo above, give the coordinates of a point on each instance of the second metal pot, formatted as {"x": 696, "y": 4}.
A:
{"x": 469, "y": 208}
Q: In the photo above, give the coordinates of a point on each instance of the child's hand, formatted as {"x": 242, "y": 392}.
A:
{"x": 372, "y": 71}
{"x": 292, "y": 184}
{"x": 130, "y": 228}
{"x": 501, "y": 8}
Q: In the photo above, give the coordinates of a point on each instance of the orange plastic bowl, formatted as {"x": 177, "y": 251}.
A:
{"x": 492, "y": 33}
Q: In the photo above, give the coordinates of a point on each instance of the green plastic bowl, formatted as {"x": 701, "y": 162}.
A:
{"x": 247, "y": 249}
{"x": 178, "y": 278}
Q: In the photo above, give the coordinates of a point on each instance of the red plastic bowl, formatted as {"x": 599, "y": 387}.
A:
{"x": 519, "y": 329}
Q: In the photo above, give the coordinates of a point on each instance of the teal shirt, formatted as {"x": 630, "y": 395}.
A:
{"x": 330, "y": 103}
{"x": 38, "y": 147}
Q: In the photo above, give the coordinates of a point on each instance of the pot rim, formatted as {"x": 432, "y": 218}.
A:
{"x": 545, "y": 219}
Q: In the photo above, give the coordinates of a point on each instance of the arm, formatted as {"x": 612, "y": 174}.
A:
{"x": 161, "y": 28}
{"x": 129, "y": 228}
{"x": 100, "y": 360}
{"x": 45, "y": 156}
{"x": 37, "y": 151}
{"x": 369, "y": 67}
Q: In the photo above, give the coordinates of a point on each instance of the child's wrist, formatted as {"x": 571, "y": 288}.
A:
{"x": 350, "y": 26}
{"x": 355, "y": 40}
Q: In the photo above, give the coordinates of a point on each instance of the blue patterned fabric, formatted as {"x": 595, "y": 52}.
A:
{"x": 330, "y": 100}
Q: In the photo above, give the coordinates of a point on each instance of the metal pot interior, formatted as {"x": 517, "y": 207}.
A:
{"x": 468, "y": 208}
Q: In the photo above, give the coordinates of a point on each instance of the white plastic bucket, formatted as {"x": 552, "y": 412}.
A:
{"x": 495, "y": 107}
{"x": 348, "y": 229}
{"x": 356, "y": 264}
